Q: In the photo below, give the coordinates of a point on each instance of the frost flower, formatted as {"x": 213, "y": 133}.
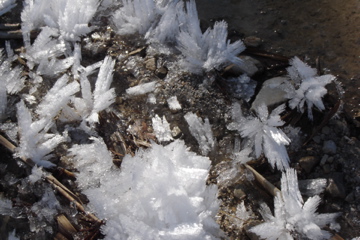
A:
{"x": 266, "y": 136}
{"x": 209, "y": 50}
{"x": 292, "y": 217}
{"x": 310, "y": 88}
{"x": 136, "y": 16}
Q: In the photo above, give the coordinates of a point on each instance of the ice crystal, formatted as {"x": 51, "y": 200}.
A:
{"x": 69, "y": 18}
{"x": 264, "y": 134}
{"x": 6, "y": 5}
{"x": 93, "y": 161}
{"x": 209, "y": 50}
{"x": 136, "y": 16}
{"x": 57, "y": 97}
{"x": 141, "y": 88}
{"x": 201, "y": 131}
{"x": 161, "y": 128}
{"x": 173, "y": 103}
{"x": 292, "y": 217}
{"x": 166, "y": 30}
{"x": 35, "y": 142}
{"x": 309, "y": 88}
{"x": 91, "y": 103}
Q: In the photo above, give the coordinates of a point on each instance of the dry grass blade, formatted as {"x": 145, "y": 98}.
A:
{"x": 65, "y": 227}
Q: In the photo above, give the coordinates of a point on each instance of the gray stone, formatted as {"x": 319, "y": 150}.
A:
{"x": 324, "y": 159}
{"x": 250, "y": 66}
{"x": 325, "y": 130}
{"x": 350, "y": 197}
{"x": 317, "y": 139}
{"x": 150, "y": 64}
{"x": 308, "y": 163}
{"x": 327, "y": 168}
{"x": 252, "y": 41}
{"x": 239, "y": 193}
{"x": 336, "y": 186}
{"x": 271, "y": 93}
{"x": 329, "y": 147}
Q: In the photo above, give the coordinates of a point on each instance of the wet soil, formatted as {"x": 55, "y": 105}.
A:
{"x": 324, "y": 29}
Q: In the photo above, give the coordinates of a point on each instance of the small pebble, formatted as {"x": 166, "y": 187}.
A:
{"x": 325, "y": 130}
{"x": 324, "y": 159}
{"x": 327, "y": 168}
{"x": 317, "y": 139}
{"x": 329, "y": 147}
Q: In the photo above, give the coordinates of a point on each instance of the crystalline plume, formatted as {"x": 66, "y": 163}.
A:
{"x": 292, "y": 216}
{"x": 54, "y": 66}
{"x": 201, "y": 131}
{"x": 6, "y": 5}
{"x": 209, "y": 50}
{"x": 10, "y": 76}
{"x": 173, "y": 103}
{"x": 35, "y": 143}
{"x": 36, "y": 174}
{"x": 57, "y": 97}
{"x": 103, "y": 96}
{"x": 309, "y": 87}
{"x": 161, "y": 128}
{"x": 141, "y": 89}
{"x": 161, "y": 193}
{"x": 91, "y": 103}
{"x": 266, "y": 136}
{"x": 92, "y": 161}
{"x": 70, "y": 18}
{"x": 136, "y": 16}
{"x": 169, "y": 24}
{"x": 46, "y": 46}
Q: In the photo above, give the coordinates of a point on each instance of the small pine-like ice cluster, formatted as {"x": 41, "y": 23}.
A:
{"x": 292, "y": 216}
{"x": 307, "y": 86}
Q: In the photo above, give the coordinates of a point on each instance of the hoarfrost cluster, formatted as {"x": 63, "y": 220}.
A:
{"x": 264, "y": 134}
{"x": 308, "y": 87}
{"x": 292, "y": 216}
{"x": 160, "y": 192}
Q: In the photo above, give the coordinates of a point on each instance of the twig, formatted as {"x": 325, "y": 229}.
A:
{"x": 8, "y": 26}
{"x": 265, "y": 183}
